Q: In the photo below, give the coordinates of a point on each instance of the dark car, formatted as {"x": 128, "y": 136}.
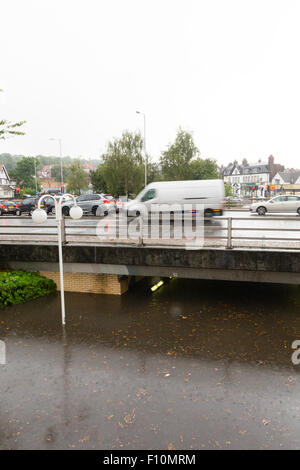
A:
{"x": 27, "y": 206}
{"x": 7, "y": 207}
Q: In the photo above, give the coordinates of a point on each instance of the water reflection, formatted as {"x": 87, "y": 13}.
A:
{"x": 195, "y": 363}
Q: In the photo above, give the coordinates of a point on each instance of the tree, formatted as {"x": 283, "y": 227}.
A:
{"x": 76, "y": 181}
{"x": 24, "y": 172}
{"x": 154, "y": 172}
{"x": 123, "y": 164}
{"x": 7, "y": 160}
{"x": 9, "y": 129}
{"x": 56, "y": 173}
{"x": 228, "y": 189}
{"x": 98, "y": 181}
{"x": 176, "y": 159}
{"x": 203, "y": 169}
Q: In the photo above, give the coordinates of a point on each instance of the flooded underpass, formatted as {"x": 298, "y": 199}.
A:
{"x": 193, "y": 365}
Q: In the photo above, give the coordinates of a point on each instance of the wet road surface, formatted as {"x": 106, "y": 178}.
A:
{"x": 195, "y": 365}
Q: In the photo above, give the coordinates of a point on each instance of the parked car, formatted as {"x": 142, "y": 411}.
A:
{"x": 277, "y": 204}
{"x": 209, "y": 193}
{"x": 94, "y": 204}
{"x": 27, "y": 206}
{"x": 7, "y": 207}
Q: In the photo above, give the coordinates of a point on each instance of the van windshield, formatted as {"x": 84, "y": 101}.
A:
{"x": 150, "y": 194}
{"x": 140, "y": 195}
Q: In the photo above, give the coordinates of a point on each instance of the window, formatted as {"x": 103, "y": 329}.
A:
{"x": 93, "y": 197}
{"x": 293, "y": 198}
{"x": 82, "y": 198}
{"x": 151, "y": 194}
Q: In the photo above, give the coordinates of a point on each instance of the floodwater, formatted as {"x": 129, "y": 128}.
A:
{"x": 193, "y": 365}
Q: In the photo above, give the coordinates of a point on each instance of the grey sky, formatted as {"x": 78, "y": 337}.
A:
{"x": 227, "y": 70}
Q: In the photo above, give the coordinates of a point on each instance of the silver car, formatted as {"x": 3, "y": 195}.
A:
{"x": 276, "y": 205}
{"x": 91, "y": 204}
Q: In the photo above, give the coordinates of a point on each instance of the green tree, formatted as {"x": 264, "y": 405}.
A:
{"x": 203, "y": 169}
{"x": 228, "y": 189}
{"x": 98, "y": 181}
{"x": 24, "y": 172}
{"x": 176, "y": 159}
{"x": 8, "y": 161}
{"x": 76, "y": 181}
{"x": 123, "y": 164}
{"x": 56, "y": 173}
{"x": 154, "y": 172}
{"x": 8, "y": 128}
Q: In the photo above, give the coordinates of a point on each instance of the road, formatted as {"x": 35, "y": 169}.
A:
{"x": 248, "y": 230}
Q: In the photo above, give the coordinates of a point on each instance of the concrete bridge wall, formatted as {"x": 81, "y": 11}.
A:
{"x": 234, "y": 265}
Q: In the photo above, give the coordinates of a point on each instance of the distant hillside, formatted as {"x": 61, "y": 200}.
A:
{"x": 10, "y": 161}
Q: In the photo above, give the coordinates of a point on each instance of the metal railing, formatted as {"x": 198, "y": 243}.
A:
{"x": 219, "y": 232}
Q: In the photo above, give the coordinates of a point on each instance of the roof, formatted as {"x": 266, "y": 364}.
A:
{"x": 248, "y": 169}
{"x": 2, "y": 168}
{"x": 290, "y": 176}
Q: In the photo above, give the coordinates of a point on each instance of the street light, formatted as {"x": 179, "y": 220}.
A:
{"x": 146, "y": 162}
{"x": 60, "y": 156}
{"x": 39, "y": 216}
{"x": 36, "y": 191}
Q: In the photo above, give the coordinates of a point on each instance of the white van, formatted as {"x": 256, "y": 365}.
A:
{"x": 182, "y": 195}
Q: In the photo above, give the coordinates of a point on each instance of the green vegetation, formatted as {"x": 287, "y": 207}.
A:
{"x": 19, "y": 286}
{"x": 76, "y": 181}
{"x": 123, "y": 164}
{"x": 122, "y": 167}
{"x": 98, "y": 181}
{"x": 24, "y": 173}
{"x": 181, "y": 161}
{"x": 9, "y": 129}
{"x": 175, "y": 161}
{"x": 228, "y": 189}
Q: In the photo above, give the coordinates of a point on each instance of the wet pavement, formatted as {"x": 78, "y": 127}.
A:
{"x": 194, "y": 365}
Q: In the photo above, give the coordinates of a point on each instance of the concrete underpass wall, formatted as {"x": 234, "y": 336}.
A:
{"x": 92, "y": 262}
{"x": 90, "y": 282}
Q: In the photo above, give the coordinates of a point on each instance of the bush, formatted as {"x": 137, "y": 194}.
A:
{"x": 17, "y": 287}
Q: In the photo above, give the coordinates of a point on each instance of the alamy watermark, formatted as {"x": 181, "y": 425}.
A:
{"x": 2, "y": 353}
{"x": 156, "y": 222}
{"x": 296, "y": 353}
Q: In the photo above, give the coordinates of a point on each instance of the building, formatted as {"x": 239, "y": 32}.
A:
{"x": 251, "y": 179}
{"x": 45, "y": 172}
{"x": 287, "y": 182}
{"x": 7, "y": 185}
{"x": 287, "y": 177}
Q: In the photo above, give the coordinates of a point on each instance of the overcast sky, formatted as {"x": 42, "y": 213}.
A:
{"x": 227, "y": 70}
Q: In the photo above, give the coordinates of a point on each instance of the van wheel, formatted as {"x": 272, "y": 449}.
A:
{"x": 208, "y": 213}
{"x": 18, "y": 213}
{"x": 261, "y": 210}
{"x": 298, "y": 210}
{"x": 137, "y": 213}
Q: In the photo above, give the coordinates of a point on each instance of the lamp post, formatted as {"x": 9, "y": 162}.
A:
{"x": 145, "y": 154}
{"x": 39, "y": 216}
{"x": 36, "y": 191}
{"x": 60, "y": 156}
